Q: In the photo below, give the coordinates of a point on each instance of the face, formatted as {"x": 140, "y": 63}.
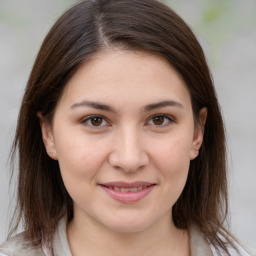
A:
{"x": 124, "y": 135}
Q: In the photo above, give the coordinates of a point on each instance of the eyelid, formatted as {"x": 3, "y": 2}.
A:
{"x": 106, "y": 122}
{"x": 84, "y": 121}
{"x": 168, "y": 117}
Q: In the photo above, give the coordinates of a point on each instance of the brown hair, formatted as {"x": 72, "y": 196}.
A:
{"x": 84, "y": 30}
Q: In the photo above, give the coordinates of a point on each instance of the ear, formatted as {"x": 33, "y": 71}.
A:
{"x": 198, "y": 134}
{"x": 47, "y": 136}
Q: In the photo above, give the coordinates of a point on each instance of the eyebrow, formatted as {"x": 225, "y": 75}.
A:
{"x": 101, "y": 106}
{"x": 93, "y": 104}
{"x": 162, "y": 104}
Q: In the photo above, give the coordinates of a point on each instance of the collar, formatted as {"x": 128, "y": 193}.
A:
{"x": 199, "y": 246}
{"x": 198, "y": 243}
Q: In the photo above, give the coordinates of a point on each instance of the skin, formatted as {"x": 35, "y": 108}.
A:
{"x": 130, "y": 142}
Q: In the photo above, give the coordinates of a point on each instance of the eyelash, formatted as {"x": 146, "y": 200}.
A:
{"x": 167, "y": 120}
{"x": 88, "y": 121}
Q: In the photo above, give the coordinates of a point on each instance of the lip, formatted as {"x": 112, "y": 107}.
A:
{"x": 121, "y": 184}
{"x": 127, "y": 197}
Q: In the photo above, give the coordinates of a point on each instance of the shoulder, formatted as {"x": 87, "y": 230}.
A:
{"x": 200, "y": 245}
{"x": 242, "y": 250}
{"x": 19, "y": 245}
{"x": 239, "y": 251}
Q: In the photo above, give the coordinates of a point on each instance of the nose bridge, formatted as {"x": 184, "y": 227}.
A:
{"x": 129, "y": 153}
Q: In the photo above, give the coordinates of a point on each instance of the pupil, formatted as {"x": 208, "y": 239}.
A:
{"x": 96, "y": 121}
{"x": 158, "y": 120}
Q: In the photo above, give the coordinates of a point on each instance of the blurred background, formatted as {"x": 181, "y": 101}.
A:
{"x": 227, "y": 31}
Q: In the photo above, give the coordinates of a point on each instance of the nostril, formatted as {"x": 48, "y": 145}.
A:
{"x": 128, "y": 152}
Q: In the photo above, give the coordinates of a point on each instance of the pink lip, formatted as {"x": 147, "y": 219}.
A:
{"x": 127, "y": 197}
{"x": 121, "y": 184}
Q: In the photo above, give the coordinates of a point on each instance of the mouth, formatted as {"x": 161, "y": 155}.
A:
{"x": 127, "y": 192}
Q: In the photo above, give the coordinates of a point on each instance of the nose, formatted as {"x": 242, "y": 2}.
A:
{"x": 128, "y": 152}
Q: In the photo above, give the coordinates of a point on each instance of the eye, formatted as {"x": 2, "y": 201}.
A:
{"x": 95, "y": 121}
{"x": 160, "y": 120}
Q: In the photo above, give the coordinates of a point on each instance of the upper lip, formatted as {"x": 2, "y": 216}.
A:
{"x": 121, "y": 184}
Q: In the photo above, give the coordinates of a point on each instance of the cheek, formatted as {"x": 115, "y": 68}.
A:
{"x": 80, "y": 162}
{"x": 79, "y": 157}
{"x": 172, "y": 160}
{"x": 173, "y": 155}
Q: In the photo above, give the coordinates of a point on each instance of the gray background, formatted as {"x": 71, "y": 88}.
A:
{"x": 227, "y": 32}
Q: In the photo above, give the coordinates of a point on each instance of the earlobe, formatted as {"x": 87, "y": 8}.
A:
{"x": 198, "y": 134}
{"x": 47, "y": 136}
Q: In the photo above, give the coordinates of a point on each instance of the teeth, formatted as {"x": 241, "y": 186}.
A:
{"x": 125, "y": 190}
{"x": 134, "y": 189}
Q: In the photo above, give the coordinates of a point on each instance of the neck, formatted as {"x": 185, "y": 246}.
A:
{"x": 161, "y": 239}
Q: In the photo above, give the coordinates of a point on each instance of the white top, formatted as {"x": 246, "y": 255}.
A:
{"x": 60, "y": 247}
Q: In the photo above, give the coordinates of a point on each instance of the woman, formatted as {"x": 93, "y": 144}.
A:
{"x": 120, "y": 139}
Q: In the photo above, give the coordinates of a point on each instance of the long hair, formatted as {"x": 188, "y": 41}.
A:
{"x": 81, "y": 32}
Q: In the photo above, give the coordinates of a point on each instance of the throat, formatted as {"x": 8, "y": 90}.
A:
{"x": 150, "y": 243}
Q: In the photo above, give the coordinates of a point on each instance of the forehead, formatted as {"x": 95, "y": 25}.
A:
{"x": 127, "y": 76}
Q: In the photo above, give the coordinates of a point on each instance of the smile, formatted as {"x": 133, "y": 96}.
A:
{"x": 127, "y": 192}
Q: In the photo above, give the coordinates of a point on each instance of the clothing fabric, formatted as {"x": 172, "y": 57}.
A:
{"x": 20, "y": 246}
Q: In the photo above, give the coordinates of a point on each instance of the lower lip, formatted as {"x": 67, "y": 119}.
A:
{"x": 128, "y": 197}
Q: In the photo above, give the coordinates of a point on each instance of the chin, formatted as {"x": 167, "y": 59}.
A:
{"x": 129, "y": 229}
{"x": 128, "y": 225}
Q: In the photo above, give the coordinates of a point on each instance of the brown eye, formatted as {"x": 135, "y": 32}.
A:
{"x": 96, "y": 121}
{"x": 158, "y": 120}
